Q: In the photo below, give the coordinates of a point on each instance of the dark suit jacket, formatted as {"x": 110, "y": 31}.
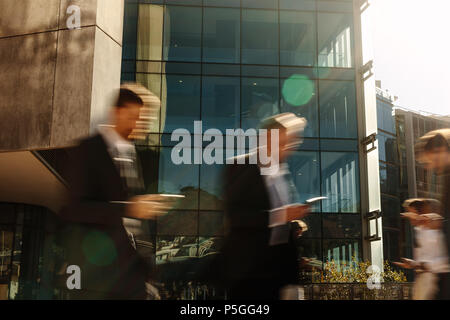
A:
{"x": 248, "y": 258}
{"x": 96, "y": 239}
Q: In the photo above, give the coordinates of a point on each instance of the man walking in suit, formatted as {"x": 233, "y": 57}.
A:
{"x": 260, "y": 257}
{"x": 433, "y": 149}
{"x": 105, "y": 173}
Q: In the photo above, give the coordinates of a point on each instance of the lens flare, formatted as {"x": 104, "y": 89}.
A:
{"x": 298, "y": 90}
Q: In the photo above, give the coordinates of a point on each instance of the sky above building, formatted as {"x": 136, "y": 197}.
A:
{"x": 412, "y": 52}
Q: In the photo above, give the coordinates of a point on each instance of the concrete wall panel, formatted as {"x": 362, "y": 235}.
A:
{"x": 110, "y": 18}
{"x": 19, "y": 17}
{"x": 106, "y": 77}
{"x": 73, "y": 85}
{"x": 27, "y": 67}
{"x": 88, "y": 12}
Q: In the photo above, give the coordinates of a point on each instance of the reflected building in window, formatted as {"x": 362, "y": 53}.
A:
{"x": 401, "y": 176}
{"x": 230, "y": 64}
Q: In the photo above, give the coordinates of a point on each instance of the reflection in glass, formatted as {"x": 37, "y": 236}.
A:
{"x": 335, "y": 40}
{"x": 341, "y": 251}
{"x": 178, "y": 223}
{"x": 180, "y": 101}
{"x": 260, "y": 4}
{"x": 309, "y": 5}
{"x": 209, "y": 246}
{"x": 341, "y": 226}
{"x": 259, "y": 37}
{"x": 387, "y": 148}
{"x": 211, "y": 187}
{"x": 337, "y": 109}
{"x": 310, "y": 249}
{"x": 172, "y": 248}
{"x": 176, "y": 258}
{"x": 221, "y": 35}
{"x": 178, "y": 179}
{"x": 259, "y": 100}
{"x": 222, "y": 3}
{"x": 182, "y": 33}
{"x": 340, "y": 182}
{"x": 314, "y": 223}
{"x": 385, "y": 118}
{"x": 153, "y": 83}
{"x": 6, "y": 250}
{"x": 305, "y": 170}
{"x": 211, "y": 223}
{"x": 150, "y": 32}
{"x": 220, "y": 102}
{"x": 129, "y": 31}
{"x": 297, "y": 38}
{"x": 389, "y": 178}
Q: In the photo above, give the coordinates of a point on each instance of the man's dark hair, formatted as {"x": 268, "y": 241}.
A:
{"x": 435, "y": 142}
{"x": 127, "y": 96}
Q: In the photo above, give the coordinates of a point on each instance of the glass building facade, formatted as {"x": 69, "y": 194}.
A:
{"x": 31, "y": 253}
{"x": 393, "y": 181}
{"x": 230, "y": 64}
{"x": 401, "y": 176}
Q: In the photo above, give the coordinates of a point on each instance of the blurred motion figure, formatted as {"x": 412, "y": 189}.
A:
{"x": 260, "y": 256}
{"x": 105, "y": 174}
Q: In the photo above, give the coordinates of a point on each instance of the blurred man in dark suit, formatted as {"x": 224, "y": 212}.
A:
{"x": 260, "y": 257}
{"x": 433, "y": 150}
{"x": 105, "y": 176}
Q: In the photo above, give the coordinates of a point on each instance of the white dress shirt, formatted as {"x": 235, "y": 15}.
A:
{"x": 281, "y": 195}
{"x": 431, "y": 250}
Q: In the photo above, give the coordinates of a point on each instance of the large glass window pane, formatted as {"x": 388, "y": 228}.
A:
{"x": 180, "y": 102}
{"x": 337, "y": 109}
{"x": 263, "y": 4}
{"x": 173, "y": 256}
{"x": 178, "y": 179}
{"x": 335, "y": 40}
{"x": 387, "y": 148}
{"x": 389, "y": 179}
{"x": 182, "y": 33}
{"x": 211, "y": 223}
{"x": 309, "y": 5}
{"x": 6, "y": 249}
{"x": 150, "y": 35}
{"x": 259, "y": 100}
{"x": 340, "y": 182}
{"x": 221, "y": 35}
{"x": 129, "y": 31}
{"x": 341, "y": 226}
{"x": 335, "y": 6}
{"x": 190, "y": 2}
{"x": 309, "y": 250}
{"x": 259, "y": 37}
{"x": 385, "y": 119}
{"x": 299, "y": 96}
{"x": 153, "y": 83}
{"x": 222, "y": 3}
{"x": 211, "y": 186}
{"x": 341, "y": 251}
{"x": 305, "y": 170}
{"x": 297, "y": 38}
{"x": 314, "y": 224}
{"x": 220, "y": 102}
{"x": 178, "y": 223}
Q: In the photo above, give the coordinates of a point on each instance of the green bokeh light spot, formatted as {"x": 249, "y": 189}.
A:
{"x": 99, "y": 249}
{"x": 298, "y": 89}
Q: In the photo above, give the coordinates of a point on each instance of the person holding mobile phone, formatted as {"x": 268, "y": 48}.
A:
{"x": 260, "y": 255}
{"x": 106, "y": 189}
